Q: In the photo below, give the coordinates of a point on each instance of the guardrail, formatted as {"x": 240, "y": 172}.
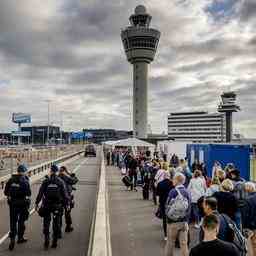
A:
{"x": 100, "y": 240}
{"x": 34, "y": 170}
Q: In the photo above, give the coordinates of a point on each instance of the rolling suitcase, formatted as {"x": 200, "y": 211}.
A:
{"x": 127, "y": 182}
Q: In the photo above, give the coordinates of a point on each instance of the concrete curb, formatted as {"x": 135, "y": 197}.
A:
{"x": 100, "y": 240}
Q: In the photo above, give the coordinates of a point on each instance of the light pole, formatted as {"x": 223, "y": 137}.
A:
{"x": 61, "y": 126}
{"x": 48, "y": 125}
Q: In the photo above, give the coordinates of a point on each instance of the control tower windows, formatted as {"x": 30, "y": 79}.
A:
{"x": 143, "y": 42}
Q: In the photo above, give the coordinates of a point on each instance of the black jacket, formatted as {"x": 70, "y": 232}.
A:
{"x": 69, "y": 182}
{"x": 249, "y": 212}
{"x": 162, "y": 190}
{"x": 24, "y": 187}
{"x": 63, "y": 191}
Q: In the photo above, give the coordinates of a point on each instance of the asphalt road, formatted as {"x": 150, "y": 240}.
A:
{"x": 75, "y": 243}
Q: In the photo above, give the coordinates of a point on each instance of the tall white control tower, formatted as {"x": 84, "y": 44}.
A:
{"x": 140, "y": 44}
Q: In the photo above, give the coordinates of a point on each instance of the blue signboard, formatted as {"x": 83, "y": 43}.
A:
{"x": 81, "y": 135}
{"x": 20, "y": 118}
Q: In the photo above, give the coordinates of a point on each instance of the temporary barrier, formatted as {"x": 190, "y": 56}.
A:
{"x": 237, "y": 154}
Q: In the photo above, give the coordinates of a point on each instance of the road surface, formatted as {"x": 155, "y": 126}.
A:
{"x": 75, "y": 243}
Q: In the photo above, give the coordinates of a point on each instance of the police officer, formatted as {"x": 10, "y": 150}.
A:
{"x": 18, "y": 193}
{"x": 54, "y": 197}
{"x": 69, "y": 179}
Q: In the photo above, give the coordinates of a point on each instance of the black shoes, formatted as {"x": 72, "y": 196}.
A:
{"x": 46, "y": 243}
{"x": 22, "y": 240}
{"x": 12, "y": 244}
{"x": 69, "y": 229}
{"x": 54, "y": 243}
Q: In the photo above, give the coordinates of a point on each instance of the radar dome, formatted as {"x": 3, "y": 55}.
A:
{"x": 140, "y": 9}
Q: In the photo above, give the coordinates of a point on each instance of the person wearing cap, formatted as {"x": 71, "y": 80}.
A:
{"x": 69, "y": 179}
{"x": 18, "y": 193}
{"x": 54, "y": 197}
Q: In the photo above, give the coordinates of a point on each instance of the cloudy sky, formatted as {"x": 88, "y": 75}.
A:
{"x": 69, "y": 51}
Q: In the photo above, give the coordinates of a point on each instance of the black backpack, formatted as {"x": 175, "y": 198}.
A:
{"x": 15, "y": 190}
{"x": 237, "y": 237}
{"x": 53, "y": 192}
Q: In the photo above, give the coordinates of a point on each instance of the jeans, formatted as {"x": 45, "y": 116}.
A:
{"x": 177, "y": 230}
{"x": 164, "y": 218}
{"x": 18, "y": 216}
{"x": 133, "y": 179}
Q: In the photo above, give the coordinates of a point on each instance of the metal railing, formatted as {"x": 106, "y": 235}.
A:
{"x": 34, "y": 170}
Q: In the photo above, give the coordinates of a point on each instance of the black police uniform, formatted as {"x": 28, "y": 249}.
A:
{"x": 54, "y": 194}
{"x": 18, "y": 192}
{"x": 69, "y": 181}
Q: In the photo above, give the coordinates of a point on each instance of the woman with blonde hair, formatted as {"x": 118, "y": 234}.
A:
{"x": 227, "y": 203}
{"x": 197, "y": 189}
{"x": 214, "y": 187}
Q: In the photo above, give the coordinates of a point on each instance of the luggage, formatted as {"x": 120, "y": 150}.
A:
{"x": 127, "y": 182}
{"x": 123, "y": 171}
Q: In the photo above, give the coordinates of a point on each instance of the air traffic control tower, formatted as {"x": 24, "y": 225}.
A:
{"x": 228, "y": 106}
{"x": 140, "y": 44}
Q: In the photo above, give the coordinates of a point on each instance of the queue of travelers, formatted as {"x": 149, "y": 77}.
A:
{"x": 55, "y": 199}
{"x": 222, "y": 205}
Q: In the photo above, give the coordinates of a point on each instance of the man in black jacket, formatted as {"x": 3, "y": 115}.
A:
{"x": 133, "y": 164}
{"x": 70, "y": 180}
{"x": 54, "y": 196}
{"x": 18, "y": 193}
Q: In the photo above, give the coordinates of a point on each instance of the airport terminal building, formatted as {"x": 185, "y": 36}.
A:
{"x": 197, "y": 126}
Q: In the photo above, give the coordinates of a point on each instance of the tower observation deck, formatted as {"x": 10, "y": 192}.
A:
{"x": 228, "y": 106}
{"x": 140, "y": 44}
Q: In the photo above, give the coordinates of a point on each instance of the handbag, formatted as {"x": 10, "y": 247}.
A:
{"x": 159, "y": 213}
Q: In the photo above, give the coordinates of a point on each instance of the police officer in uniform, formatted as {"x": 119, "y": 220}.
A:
{"x": 54, "y": 197}
{"x": 70, "y": 180}
{"x": 18, "y": 193}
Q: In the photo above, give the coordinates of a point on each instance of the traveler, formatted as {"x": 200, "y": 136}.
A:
{"x": 177, "y": 212}
{"x": 197, "y": 189}
{"x": 133, "y": 164}
{"x": 70, "y": 180}
{"x": 154, "y": 171}
{"x": 108, "y": 157}
{"x": 54, "y": 197}
{"x": 210, "y": 207}
{"x": 248, "y": 216}
{"x": 227, "y": 202}
{"x": 162, "y": 190}
{"x": 212, "y": 246}
{"x": 18, "y": 193}
{"x": 174, "y": 162}
{"x": 239, "y": 193}
{"x": 214, "y": 187}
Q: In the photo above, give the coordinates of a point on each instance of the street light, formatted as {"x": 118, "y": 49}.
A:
{"x": 48, "y": 125}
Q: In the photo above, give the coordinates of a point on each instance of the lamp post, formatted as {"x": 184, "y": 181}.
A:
{"x": 48, "y": 121}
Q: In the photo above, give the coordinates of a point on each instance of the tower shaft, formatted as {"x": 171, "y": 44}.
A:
{"x": 229, "y": 127}
{"x": 140, "y": 99}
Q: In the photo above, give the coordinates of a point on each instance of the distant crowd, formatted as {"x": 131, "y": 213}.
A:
{"x": 220, "y": 207}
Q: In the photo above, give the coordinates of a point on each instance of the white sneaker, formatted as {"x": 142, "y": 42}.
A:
{"x": 197, "y": 226}
{"x": 165, "y": 238}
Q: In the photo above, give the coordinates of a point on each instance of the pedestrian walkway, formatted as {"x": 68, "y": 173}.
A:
{"x": 134, "y": 228}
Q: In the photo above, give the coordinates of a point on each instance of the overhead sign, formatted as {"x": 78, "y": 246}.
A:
{"x": 20, "y": 118}
{"x": 88, "y": 135}
{"x": 21, "y": 134}
{"x": 81, "y": 135}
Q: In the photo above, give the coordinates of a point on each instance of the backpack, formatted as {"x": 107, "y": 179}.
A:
{"x": 239, "y": 193}
{"x": 53, "y": 192}
{"x": 238, "y": 239}
{"x": 176, "y": 208}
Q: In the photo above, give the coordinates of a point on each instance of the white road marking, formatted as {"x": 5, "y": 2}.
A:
{"x": 33, "y": 210}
